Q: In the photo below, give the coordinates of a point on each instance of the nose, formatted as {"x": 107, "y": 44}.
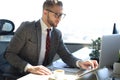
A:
{"x": 57, "y": 19}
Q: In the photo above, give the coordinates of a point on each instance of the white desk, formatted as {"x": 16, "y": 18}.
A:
{"x": 34, "y": 77}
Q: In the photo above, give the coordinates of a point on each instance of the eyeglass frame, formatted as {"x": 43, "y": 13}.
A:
{"x": 57, "y": 15}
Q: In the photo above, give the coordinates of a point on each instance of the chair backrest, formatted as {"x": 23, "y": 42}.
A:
{"x": 6, "y": 30}
{"x": 6, "y": 27}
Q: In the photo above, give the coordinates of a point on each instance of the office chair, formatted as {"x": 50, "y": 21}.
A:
{"x": 6, "y": 31}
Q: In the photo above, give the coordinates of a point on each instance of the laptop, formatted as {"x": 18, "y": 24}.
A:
{"x": 110, "y": 47}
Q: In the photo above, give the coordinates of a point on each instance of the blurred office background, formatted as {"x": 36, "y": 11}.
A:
{"x": 85, "y": 19}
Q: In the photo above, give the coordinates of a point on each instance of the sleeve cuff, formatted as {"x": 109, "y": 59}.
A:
{"x": 27, "y": 66}
{"x": 77, "y": 63}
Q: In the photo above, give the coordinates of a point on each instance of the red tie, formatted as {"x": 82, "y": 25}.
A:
{"x": 47, "y": 47}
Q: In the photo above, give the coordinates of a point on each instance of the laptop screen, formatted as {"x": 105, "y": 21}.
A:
{"x": 110, "y": 47}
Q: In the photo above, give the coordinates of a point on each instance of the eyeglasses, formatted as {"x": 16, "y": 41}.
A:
{"x": 57, "y": 15}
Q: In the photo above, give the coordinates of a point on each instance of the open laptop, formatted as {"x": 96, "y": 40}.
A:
{"x": 110, "y": 47}
{"x": 109, "y": 50}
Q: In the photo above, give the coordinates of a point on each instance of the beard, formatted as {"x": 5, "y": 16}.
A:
{"x": 51, "y": 22}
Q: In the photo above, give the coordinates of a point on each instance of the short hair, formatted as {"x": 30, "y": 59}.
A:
{"x": 48, "y": 4}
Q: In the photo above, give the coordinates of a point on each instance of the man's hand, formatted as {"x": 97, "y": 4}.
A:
{"x": 89, "y": 64}
{"x": 39, "y": 70}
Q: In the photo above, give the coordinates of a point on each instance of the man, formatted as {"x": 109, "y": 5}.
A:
{"x": 27, "y": 51}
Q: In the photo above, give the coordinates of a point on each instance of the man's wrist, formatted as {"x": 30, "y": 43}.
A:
{"x": 27, "y": 67}
{"x": 78, "y": 63}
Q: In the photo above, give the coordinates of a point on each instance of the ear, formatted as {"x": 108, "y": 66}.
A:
{"x": 44, "y": 12}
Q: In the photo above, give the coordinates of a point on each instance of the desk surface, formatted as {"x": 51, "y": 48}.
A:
{"x": 101, "y": 74}
{"x": 72, "y": 73}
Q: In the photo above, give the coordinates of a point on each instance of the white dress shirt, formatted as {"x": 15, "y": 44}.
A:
{"x": 43, "y": 44}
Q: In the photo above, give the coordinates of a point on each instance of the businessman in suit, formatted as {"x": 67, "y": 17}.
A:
{"x": 26, "y": 51}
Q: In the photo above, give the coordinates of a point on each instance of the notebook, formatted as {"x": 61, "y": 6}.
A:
{"x": 110, "y": 47}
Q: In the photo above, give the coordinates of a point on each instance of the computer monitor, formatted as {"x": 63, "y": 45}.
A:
{"x": 110, "y": 47}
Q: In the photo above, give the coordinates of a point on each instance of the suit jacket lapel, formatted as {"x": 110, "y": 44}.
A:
{"x": 39, "y": 32}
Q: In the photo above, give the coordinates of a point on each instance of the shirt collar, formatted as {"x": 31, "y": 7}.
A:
{"x": 43, "y": 25}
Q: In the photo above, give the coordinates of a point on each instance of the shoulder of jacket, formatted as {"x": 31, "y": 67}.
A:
{"x": 28, "y": 23}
